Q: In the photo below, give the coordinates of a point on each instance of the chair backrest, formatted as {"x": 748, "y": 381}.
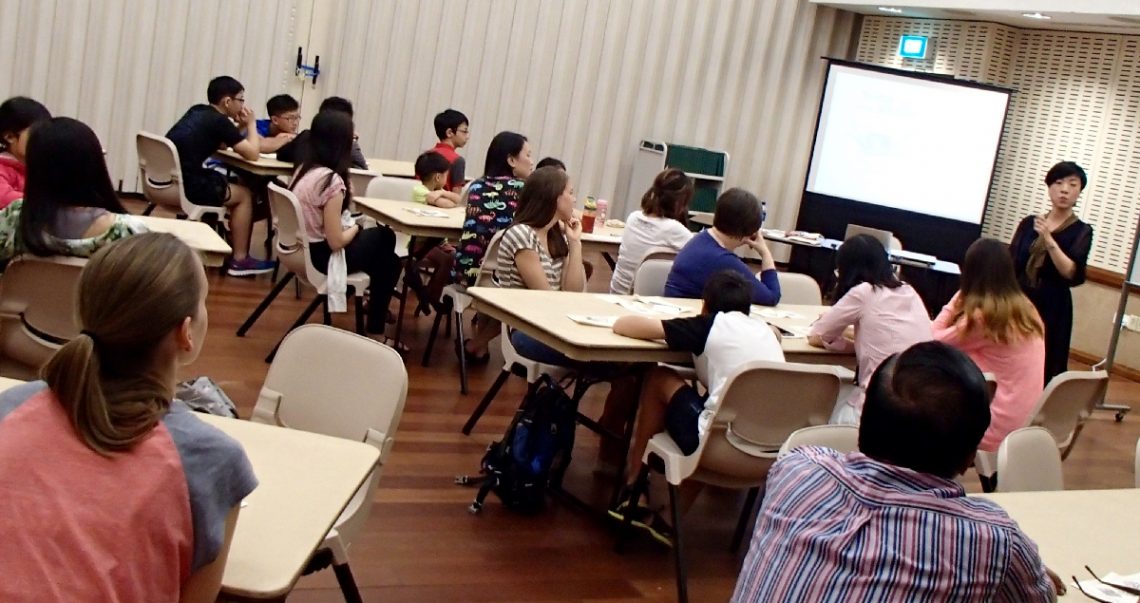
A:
{"x": 490, "y": 261}
{"x": 1028, "y": 461}
{"x": 325, "y": 380}
{"x": 37, "y": 311}
{"x": 387, "y": 187}
{"x": 1067, "y": 401}
{"x": 292, "y": 242}
{"x": 764, "y": 402}
{"x": 159, "y": 170}
{"x": 797, "y": 288}
{"x": 843, "y": 438}
{"x": 1136, "y": 464}
{"x": 651, "y": 276}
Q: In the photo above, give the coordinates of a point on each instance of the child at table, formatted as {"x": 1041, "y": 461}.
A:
{"x": 453, "y": 131}
{"x": 721, "y": 339}
{"x": 17, "y": 116}
{"x": 434, "y": 255}
{"x": 281, "y": 125}
{"x": 197, "y": 135}
{"x": 887, "y": 314}
{"x": 69, "y": 205}
{"x": 736, "y": 223}
{"x": 97, "y": 455}
{"x": 320, "y": 185}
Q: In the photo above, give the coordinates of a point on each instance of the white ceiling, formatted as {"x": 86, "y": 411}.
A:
{"x": 1115, "y": 16}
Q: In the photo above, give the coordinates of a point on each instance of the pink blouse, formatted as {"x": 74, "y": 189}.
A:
{"x": 886, "y": 321}
{"x": 1018, "y": 367}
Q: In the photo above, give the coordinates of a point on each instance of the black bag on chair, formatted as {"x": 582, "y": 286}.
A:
{"x": 536, "y": 447}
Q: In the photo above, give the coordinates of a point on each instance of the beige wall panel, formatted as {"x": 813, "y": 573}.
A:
{"x": 586, "y": 80}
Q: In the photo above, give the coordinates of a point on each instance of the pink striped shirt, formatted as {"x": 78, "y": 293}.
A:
{"x": 849, "y": 528}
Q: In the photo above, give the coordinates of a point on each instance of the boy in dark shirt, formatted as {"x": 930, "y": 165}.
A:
{"x": 201, "y": 131}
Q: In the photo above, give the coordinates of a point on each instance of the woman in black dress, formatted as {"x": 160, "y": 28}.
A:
{"x": 1050, "y": 252}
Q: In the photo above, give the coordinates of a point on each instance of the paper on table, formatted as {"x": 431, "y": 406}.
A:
{"x": 1105, "y": 593}
{"x": 773, "y": 313}
{"x": 426, "y": 212}
{"x": 593, "y": 321}
{"x": 648, "y": 306}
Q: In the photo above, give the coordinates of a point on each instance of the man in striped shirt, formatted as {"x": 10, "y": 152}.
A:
{"x": 889, "y": 523}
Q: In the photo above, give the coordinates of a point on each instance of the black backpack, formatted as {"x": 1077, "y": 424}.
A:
{"x": 535, "y": 449}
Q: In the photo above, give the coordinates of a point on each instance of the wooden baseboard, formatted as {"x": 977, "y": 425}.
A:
{"x": 1118, "y": 369}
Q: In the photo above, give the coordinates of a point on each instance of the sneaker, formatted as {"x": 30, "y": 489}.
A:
{"x": 647, "y": 521}
{"x": 249, "y": 267}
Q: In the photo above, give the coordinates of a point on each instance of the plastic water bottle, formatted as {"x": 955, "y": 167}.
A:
{"x": 763, "y": 212}
{"x": 601, "y": 212}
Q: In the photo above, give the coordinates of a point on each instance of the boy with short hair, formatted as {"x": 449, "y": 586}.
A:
{"x": 436, "y": 254}
{"x": 432, "y": 169}
{"x": 721, "y": 339}
{"x": 201, "y": 131}
{"x": 453, "y": 130}
{"x": 289, "y": 151}
{"x": 736, "y": 223}
{"x": 281, "y": 125}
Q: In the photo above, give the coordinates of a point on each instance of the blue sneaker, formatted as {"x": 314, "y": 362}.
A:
{"x": 250, "y": 266}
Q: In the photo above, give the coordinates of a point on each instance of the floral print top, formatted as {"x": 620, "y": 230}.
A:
{"x": 491, "y": 205}
{"x": 10, "y": 244}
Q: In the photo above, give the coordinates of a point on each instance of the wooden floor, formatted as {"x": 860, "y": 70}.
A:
{"x": 420, "y": 544}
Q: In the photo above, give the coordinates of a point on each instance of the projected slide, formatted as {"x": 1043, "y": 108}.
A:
{"x": 913, "y": 144}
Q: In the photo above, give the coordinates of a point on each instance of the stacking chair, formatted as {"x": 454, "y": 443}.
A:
{"x": 161, "y": 177}
{"x": 1029, "y": 461}
{"x": 762, "y": 404}
{"x": 293, "y": 253}
{"x": 333, "y": 382}
{"x": 37, "y": 312}
{"x": 843, "y": 438}
{"x": 656, "y": 283}
{"x": 651, "y": 276}
{"x": 1067, "y": 402}
{"x": 796, "y": 288}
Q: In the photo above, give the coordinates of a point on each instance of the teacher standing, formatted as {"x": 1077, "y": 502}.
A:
{"x": 1050, "y": 252}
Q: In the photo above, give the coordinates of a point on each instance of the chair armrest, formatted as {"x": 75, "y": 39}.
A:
{"x": 267, "y": 408}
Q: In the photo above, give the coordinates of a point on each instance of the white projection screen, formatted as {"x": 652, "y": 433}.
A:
{"x": 916, "y": 144}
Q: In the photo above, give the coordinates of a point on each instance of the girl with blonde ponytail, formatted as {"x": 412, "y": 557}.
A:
{"x": 112, "y": 492}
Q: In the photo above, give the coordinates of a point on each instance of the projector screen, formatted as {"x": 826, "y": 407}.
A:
{"x": 910, "y": 143}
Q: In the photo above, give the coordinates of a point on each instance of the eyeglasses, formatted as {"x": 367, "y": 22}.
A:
{"x": 240, "y": 100}
{"x": 291, "y": 117}
{"x": 463, "y": 131}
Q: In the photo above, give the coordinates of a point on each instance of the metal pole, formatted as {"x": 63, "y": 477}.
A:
{"x": 1125, "y": 289}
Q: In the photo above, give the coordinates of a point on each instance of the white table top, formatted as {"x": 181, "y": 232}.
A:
{"x": 268, "y": 165}
{"x": 305, "y": 481}
{"x": 1075, "y": 528}
{"x": 392, "y": 167}
{"x": 706, "y": 218}
{"x": 544, "y": 315}
{"x": 404, "y": 216}
{"x": 198, "y": 235}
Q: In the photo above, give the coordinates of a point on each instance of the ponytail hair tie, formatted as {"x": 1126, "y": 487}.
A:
{"x": 91, "y": 336}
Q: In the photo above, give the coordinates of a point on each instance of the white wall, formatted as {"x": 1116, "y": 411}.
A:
{"x": 125, "y": 65}
{"x": 585, "y": 80}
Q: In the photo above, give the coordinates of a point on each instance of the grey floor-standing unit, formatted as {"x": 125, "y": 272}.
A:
{"x": 706, "y": 167}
